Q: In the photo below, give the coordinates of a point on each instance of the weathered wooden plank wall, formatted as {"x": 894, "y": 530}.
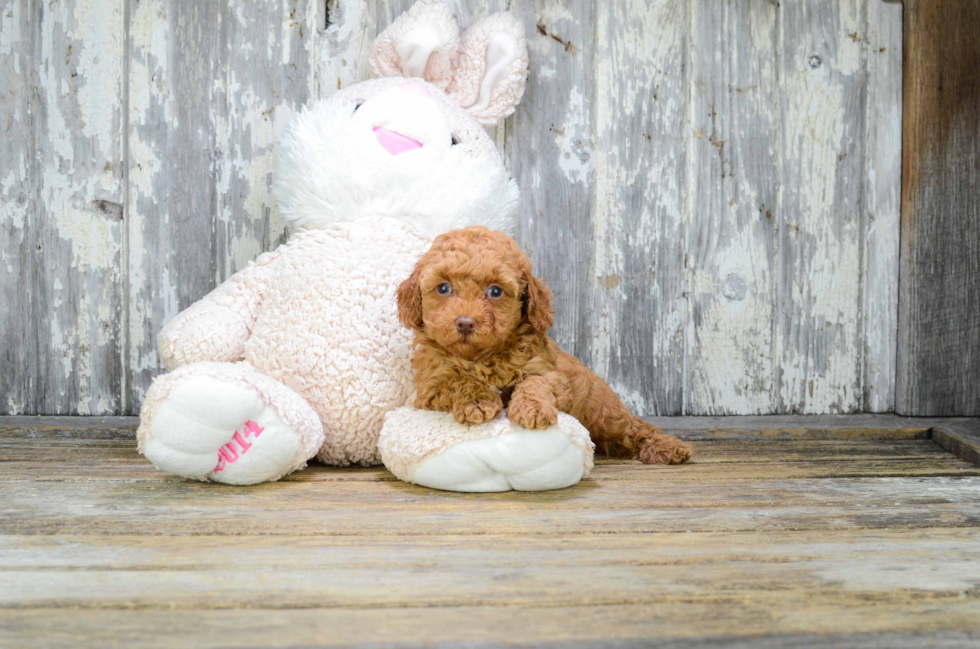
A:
{"x": 711, "y": 189}
{"x": 939, "y": 343}
{"x": 62, "y": 194}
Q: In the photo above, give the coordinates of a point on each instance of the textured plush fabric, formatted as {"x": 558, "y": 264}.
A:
{"x": 484, "y": 71}
{"x": 319, "y": 316}
{"x": 431, "y": 449}
{"x": 191, "y": 413}
{"x": 422, "y": 42}
{"x": 329, "y": 329}
{"x": 330, "y": 167}
{"x": 301, "y": 352}
{"x": 490, "y": 102}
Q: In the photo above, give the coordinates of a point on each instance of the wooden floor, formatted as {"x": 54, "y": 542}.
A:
{"x": 870, "y": 540}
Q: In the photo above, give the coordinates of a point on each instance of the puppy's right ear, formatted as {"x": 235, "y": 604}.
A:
{"x": 410, "y": 300}
{"x": 537, "y": 303}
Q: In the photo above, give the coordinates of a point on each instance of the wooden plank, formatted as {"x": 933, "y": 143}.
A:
{"x": 882, "y": 208}
{"x": 819, "y": 214}
{"x": 638, "y": 285}
{"x": 950, "y": 624}
{"x": 266, "y": 73}
{"x": 768, "y": 427}
{"x": 18, "y": 203}
{"x": 859, "y": 449}
{"x": 775, "y": 427}
{"x": 174, "y": 61}
{"x": 81, "y": 552}
{"x": 111, "y": 460}
{"x": 77, "y": 124}
{"x": 939, "y": 319}
{"x": 215, "y": 573}
{"x": 629, "y": 505}
{"x": 88, "y": 467}
{"x": 962, "y": 439}
{"x": 733, "y": 240}
{"x": 554, "y": 122}
{"x": 71, "y": 427}
{"x": 346, "y": 34}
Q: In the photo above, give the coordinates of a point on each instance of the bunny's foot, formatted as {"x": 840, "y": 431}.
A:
{"x": 226, "y": 422}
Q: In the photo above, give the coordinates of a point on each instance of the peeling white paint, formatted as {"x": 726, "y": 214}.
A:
{"x": 574, "y": 140}
{"x": 629, "y": 134}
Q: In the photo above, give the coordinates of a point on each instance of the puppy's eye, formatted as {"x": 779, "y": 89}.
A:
{"x": 444, "y": 289}
{"x": 358, "y": 105}
{"x": 456, "y": 139}
{"x": 495, "y": 292}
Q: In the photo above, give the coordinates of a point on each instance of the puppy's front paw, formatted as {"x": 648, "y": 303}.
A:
{"x": 483, "y": 409}
{"x": 531, "y": 413}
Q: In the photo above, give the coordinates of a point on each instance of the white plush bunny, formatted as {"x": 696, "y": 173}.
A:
{"x": 301, "y": 353}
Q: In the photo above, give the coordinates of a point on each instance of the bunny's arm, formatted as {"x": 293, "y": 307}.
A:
{"x": 216, "y": 327}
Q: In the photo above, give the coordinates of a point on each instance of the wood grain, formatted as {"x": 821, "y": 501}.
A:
{"x": 173, "y": 64}
{"x": 211, "y": 87}
{"x": 18, "y": 203}
{"x": 748, "y": 624}
{"x": 554, "y": 122}
{"x": 939, "y": 320}
{"x": 961, "y": 438}
{"x": 97, "y": 549}
{"x": 711, "y": 193}
{"x": 820, "y": 216}
{"x": 637, "y": 294}
{"x": 261, "y": 86}
{"x": 731, "y": 365}
{"x": 882, "y": 204}
{"x": 77, "y": 267}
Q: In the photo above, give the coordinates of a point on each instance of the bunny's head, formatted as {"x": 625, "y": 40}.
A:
{"x": 410, "y": 144}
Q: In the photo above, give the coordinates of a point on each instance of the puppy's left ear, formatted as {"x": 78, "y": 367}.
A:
{"x": 537, "y": 303}
{"x": 410, "y": 300}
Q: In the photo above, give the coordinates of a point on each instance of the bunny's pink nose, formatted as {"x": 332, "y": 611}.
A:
{"x": 395, "y": 143}
{"x": 417, "y": 88}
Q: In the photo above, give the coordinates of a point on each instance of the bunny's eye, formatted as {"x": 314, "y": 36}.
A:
{"x": 456, "y": 139}
{"x": 495, "y": 292}
{"x": 358, "y": 105}
{"x": 444, "y": 289}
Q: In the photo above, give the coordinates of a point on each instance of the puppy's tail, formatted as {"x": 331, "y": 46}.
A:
{"x": 615, "y": 430}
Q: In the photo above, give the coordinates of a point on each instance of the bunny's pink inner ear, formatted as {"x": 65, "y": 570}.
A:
{"x": 492, "y": 68}
{"x": 422, "y": 42}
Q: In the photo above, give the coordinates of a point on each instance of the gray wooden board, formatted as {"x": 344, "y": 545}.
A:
{"x": 961, "y": 438}
{"x": 637, "y": 294}
{"x": 62, "y": 207}
{"x": 173, "y": 66}
{"x": 734, "y": 219}
{"x": 882, "y": 204}
{"x": 958, "y": 436}
{"x": 18, "y": 202}
{"x": 819, "y": 213}
{"x": 554, "y": 122}
{"x": 711, "y": 193}
{"x": 751, "y": 543}
{"x": 939, "y": 321}
{"x": 211, "y": 87}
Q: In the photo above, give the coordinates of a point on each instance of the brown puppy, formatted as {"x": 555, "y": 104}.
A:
{"x": 481, "y": 320}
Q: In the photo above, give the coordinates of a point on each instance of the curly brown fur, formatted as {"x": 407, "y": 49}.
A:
{"x": 478, "y": 351}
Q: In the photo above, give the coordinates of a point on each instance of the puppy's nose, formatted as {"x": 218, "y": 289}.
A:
{"x": 465, "y": 325}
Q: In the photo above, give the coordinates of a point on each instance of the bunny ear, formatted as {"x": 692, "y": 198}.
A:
{"x": 422, "y": 42}
{"x": 492, "y": 68}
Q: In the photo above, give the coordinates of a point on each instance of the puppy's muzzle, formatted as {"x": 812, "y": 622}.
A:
{"x": 465, "y": 325}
